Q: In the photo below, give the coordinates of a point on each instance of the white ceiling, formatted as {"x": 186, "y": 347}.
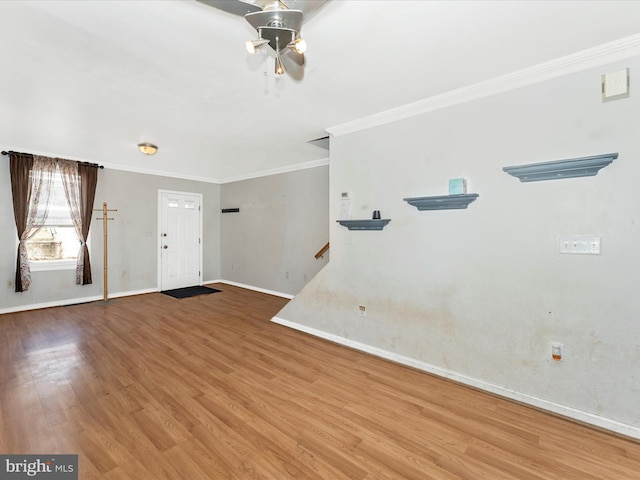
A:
{"x": 89, "y": 80}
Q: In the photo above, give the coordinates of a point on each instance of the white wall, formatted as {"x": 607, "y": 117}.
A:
{"x": 132, "y": 254}
{"x": 270, "y": 244}
{"x": 479, "y": 294}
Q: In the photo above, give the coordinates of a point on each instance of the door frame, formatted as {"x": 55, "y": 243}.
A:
{"x": 159, "y": 234}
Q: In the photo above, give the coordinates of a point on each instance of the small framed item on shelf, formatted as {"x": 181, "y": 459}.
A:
{"x": 457, "y": 186}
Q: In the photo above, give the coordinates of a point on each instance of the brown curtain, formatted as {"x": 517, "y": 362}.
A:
{"x": 79, "y": 182}
{"x": 31, "y": 178}
{"x": 20, "y": 165}
{"x": 31, "y": 181}
{"x": 88, "y": 174}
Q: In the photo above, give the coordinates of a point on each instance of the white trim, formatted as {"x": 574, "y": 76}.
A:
{"x": 275, "y": 171}
{"x": 49, "y": 265}
{"x": 159, "y": 173}
{"x": 573, "y": 413}
{"x": 73, "y": 301}
{"x": 256, "y": 289}
{"x": 196, "y": 178}
{"x": 607, "y": 53}
{"x": 236, "y": 178}
{"x": 94, "y": 298}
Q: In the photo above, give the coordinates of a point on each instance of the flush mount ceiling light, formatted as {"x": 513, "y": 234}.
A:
{"x": 147, "y": 148}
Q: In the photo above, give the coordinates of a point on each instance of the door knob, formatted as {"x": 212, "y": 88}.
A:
{"x": 165, "y": 247}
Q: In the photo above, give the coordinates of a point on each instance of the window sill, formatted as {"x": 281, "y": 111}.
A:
{"x": 46, "y": 265}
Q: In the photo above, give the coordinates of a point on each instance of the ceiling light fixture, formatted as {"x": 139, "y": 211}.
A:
{"x": 147, "y": 148}
{"x": 299, "y": 45}
{"x": 254, "y": 45}
{"x": 279, "y": 27}
{"x": 279, "y": 70}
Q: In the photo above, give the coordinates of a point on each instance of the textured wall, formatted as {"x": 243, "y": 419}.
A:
{"x": 480, "y": 293}
{"x": 132, "y": 254}
{"x": 282, "y": 223}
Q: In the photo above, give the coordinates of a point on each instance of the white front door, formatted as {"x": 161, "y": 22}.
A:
{"x": 180, "y": 240}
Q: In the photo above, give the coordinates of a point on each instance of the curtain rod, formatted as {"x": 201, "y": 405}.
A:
{"x": 84, "y": 163}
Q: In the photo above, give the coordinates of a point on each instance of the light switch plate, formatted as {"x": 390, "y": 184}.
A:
{"x": 615, "y": 85}
{"x": 580, "y": 244}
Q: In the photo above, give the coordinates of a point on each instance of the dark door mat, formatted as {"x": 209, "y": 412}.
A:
{"x": 189, "y": 291}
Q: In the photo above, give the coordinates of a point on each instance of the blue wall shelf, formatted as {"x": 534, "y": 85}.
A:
{"x": 442, "y": 202}
{"x": 571, "y": 168}
{"x": 364, "y": 224}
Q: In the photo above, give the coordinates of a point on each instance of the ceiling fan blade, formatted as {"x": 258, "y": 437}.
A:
{"x": 307, "y": 7}
{"x": 235, "y": 7}
{"x": 293, "y": 63}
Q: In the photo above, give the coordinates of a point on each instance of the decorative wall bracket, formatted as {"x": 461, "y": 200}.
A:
{"x": 573, "y": 167}
{"x": 442, "y": 202}
{"x": 364, "y": 224}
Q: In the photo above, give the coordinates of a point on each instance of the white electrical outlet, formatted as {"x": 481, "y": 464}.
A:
{"x": 557, "y": 351}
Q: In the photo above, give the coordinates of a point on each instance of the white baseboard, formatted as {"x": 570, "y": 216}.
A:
{"x": 73, "y": 301}
{"x": 569, "y": 412}
{"x": 251, "y": 287}
{"x": 95, "y": 298}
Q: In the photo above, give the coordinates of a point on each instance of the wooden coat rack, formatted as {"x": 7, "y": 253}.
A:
{"x": 104, "y": 210}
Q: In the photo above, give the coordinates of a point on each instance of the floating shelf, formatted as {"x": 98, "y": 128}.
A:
{"x": 364, "y": 224}
{"x": 573, "y": 167}
{"x": 442, "y": 202}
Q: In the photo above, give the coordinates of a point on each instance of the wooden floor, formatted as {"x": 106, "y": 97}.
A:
{"x": 151, "y": 387}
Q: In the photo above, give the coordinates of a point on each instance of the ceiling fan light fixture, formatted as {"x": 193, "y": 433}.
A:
{"x": 299, "y": 45}
{"x": 279, "y": 70}
{"x": 147, "y": 148}
{"x": 254, "y": 45}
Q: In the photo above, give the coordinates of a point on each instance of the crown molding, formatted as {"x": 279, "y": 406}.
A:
{"x": 275, "y": 171}
{"x": 264, "y": 173}
{"x": 604, "y": 54}
{"x": 159, "y": 173}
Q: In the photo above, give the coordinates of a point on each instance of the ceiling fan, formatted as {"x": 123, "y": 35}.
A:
{"x": 278, "y": 23}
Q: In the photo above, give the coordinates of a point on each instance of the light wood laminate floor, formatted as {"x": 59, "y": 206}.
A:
{"x": 151, "y": 387}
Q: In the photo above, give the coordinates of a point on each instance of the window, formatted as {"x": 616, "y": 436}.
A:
{"x": 56, "y": 245}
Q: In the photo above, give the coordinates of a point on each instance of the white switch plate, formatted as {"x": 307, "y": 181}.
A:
{"x": 615, "y": 85}
{"x": 580, "y": 244}
{"x": 345, "y": 205}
